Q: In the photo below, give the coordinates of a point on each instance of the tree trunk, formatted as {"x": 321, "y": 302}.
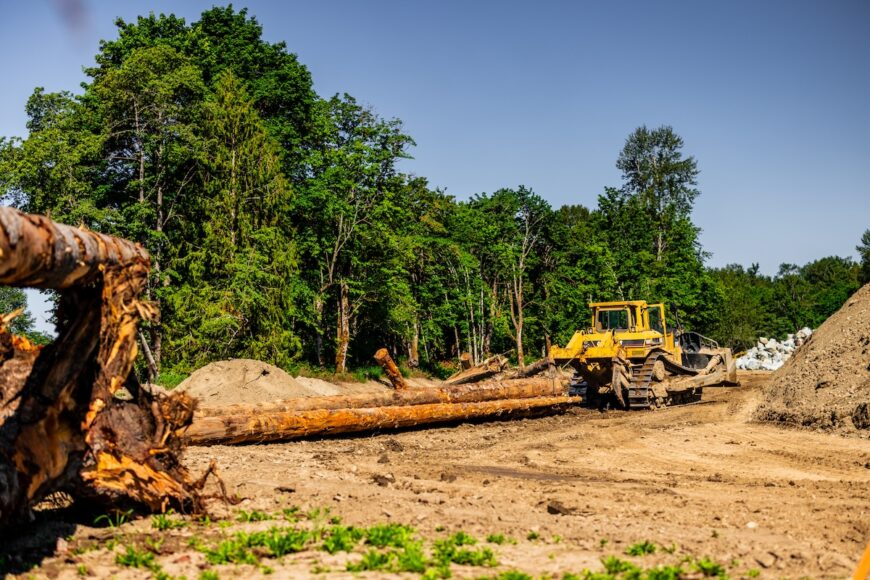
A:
{"x": 343, "y": 329}
{"x": 414, "y": 350}
{"x": 386, "y": 361}
{"x": 80, "y": 423}
{"x": 255, "y": 426}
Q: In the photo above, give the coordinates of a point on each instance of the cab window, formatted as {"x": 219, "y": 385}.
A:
{"x": 655, "y": 320}
{"x": 613, "y": 320}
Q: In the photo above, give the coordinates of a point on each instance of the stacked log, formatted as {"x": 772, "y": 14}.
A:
{"x": 73, "y": 418}
{"x": 322, "y": 416}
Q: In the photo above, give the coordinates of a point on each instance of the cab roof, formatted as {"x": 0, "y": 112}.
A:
{"x": 641, "y": 303}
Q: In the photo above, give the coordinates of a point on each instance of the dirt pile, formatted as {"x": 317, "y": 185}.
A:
{"x": 826, "y": 384}
{"x": 241, "y": 381}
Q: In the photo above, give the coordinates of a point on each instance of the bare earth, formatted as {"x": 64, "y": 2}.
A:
{"x": 703, "y": 478}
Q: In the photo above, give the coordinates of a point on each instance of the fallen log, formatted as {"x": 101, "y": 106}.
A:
{"x": 77, "y": 420}
{"x": 533, "y": 369}
{"x": 285, "y": 426}
{"x": 386, "y": 361}
{"x": 448, "y": 394}
{"x": 488, "y": 368}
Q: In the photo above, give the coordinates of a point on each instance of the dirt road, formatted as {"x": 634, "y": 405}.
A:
{"x": 701, "y": 479}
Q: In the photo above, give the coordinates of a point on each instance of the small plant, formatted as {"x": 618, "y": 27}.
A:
{"x": 163, "y": 522}
{"x": 412, "y": 559}
{"x": 154, "y": 544}
{"x": 753, "y": 572}
{"x": 320, "y": 569}
{"x": 497, "y": 539}
{"x": 82, "y": 570}
{"x": 714, "y": 534}
{"x": 342, "y": 539}
{"x": 231, "y": 552}
{"x": 532, "y": 536}
{"x": 253, "y": 516}
{"x": 372, "y": 560}
{"x": 134, "y": 558}
{"x": 389, "y": 535}
{"x": 513, "y": 575}
{"x": 641, "y": 549}
{"x": 557, "y": 539}
{"x": 266, "y": 570}
{"x": 603, "y": 542}
{"x": 114, "y": 519}
{"x": 708, "y": 567}
{"x": 460, "y": 538}
{"x": 208, "y": 575}
{"x": 439, "y": 528}
{"x": 291, "y": 514}
{"x": 614, "y": 565}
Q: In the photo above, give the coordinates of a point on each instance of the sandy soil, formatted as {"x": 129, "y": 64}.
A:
{"x": 704, "y": 478}
{"x": 826, "y": 384}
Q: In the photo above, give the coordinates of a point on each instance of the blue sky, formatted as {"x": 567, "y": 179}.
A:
{"x": 770, "y": 97}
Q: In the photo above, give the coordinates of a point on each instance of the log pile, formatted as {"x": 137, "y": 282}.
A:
{"x": 73, "y": 417}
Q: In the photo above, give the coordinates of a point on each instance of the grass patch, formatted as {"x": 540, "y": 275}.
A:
{"x": 170, "y": 379}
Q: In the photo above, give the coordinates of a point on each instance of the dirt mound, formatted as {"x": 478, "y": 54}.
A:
{"x": 826, "y": 384}
{"x": 241, "y": 381}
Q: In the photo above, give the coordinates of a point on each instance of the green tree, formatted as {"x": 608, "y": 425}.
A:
{"x": 655, "y": 172}
{"x": 647, "y": 225}
{"x": 864, "y": 251}
{"x": 12, "y": 299}
{"x": 236, "y": 292}
{"x": 345, "y": 210}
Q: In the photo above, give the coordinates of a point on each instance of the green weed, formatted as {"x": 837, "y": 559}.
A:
{"x": 371, "y": 560}
{"x": 163, "y": 522}
{"x": 209, "y": 575}
{"x": 253, "y": 516}
{"x": 135, "y": 558}
{"x": 641, "y": 549}
{"x": 389, "y": 535}
{"x": 342, "y": 539}
{"x": 532, "y": 536}
{"x": 114, "y": 519}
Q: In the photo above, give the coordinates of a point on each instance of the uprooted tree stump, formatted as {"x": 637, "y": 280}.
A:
{"x": 73, "y": 417}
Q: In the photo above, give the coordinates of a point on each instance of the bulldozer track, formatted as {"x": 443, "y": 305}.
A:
{"x": 640, "y": 393}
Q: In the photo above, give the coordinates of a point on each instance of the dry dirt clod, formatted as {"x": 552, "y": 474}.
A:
{"x": 766, "y": 560}
{"x": 555, "y": 507}
{"x": 384, "y": 458}
{"x": 448, "y": 477}
{"x": 383, "y": 480}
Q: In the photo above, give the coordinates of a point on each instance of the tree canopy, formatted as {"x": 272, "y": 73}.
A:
{"x": 282, "y": 226}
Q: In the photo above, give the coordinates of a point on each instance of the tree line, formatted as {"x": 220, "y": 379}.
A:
{"x": 281, "y": 226}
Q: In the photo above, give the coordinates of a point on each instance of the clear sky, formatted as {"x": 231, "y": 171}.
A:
{"x": 772, "y": 98}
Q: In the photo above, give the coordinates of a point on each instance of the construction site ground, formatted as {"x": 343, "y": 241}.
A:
{"x": 700, "y": 480}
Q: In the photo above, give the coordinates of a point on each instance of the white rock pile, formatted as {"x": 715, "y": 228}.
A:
{"x": 769, "y": 354}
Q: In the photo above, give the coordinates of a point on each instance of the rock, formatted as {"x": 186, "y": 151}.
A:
{"x": 384, "y": 458}
{"x": 383, "y": 480}
{"x": 556, "y": 507}
{"x": 751, "y": 525}
{"x": 448, "y": 477}
{"x": 766, "y": 560}
{"x": 861, "y": 416}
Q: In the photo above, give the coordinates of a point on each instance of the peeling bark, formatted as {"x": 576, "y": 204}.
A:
{"x": 77, "y": 420}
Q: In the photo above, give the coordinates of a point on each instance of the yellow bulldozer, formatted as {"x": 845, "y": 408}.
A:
{"x": 632, "y": 356}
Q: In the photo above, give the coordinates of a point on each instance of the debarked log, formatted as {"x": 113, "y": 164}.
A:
{"x": 77, "y": 420}
{"x": 285, "y": 426}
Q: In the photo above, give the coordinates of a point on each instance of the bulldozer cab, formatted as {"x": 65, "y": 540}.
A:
{"x": 630, "y": 316}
